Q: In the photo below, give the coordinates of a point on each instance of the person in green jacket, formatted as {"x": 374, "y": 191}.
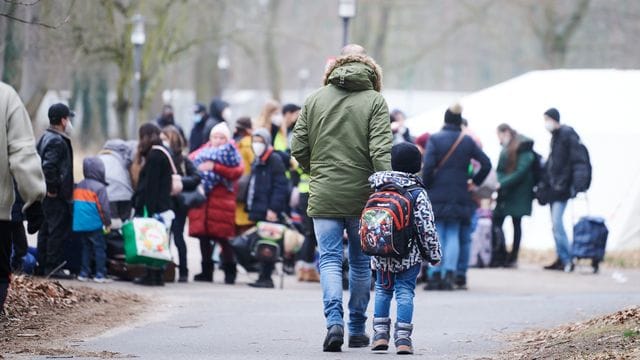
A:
{"x": 342, "y": 137}
{"x": 515, "y": 189}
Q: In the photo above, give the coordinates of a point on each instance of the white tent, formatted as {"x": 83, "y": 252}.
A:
{"x": 602, "y": 105}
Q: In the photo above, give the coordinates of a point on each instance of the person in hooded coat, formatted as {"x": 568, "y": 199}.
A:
{"x": 91, "y": 215}
{"x": 342, "y": 136}
{"x": 515, "y": 190}
{"x": 117, "y": 157}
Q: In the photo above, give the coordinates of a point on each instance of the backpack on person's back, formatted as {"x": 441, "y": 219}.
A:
{"x": 387, "y": 224}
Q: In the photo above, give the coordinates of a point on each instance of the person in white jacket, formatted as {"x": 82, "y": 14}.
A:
{"x": 19, "y": 164}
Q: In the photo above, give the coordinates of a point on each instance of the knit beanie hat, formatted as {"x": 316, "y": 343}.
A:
{"x": 264, "y": 134}
{"x": 406, "y": 157}
{"x": 453, "y": 115}
{"x": 221, "y": 128}
{"x": 553, "y": 113}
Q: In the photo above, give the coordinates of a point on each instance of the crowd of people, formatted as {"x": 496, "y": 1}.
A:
{"x": 312, "y": 163}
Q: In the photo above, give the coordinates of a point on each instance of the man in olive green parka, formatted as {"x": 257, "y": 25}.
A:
{"x": 342, "y": 136}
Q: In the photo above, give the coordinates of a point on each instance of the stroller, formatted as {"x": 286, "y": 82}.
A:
{"x": 267, "y": 242}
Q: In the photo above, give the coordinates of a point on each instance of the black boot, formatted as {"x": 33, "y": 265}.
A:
{"x": 447, "y": 282}
{"x": 461, "y": 282}
{"x": 434, "y": 283}
{"x": 207, "y": 272}
{"x": 148, "y": 279}
{"x": 4, "y": 290}
{"x": 158, "y": 277}
{"x": 184, "y": 276}
{"x": 264, "y": 281}
{"x": 230, "y": 272}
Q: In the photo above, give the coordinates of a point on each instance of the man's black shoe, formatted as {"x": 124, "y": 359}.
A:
{"x": 358, "y": 341}
{"x": 263, "y": 283}
{"x": 557, "y": 265}
{"x": 334, "y": 339}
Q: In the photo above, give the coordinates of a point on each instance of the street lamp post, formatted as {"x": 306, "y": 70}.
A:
{"x": 223, "y": 65}
{"x": 138, "y": 38}
{"x": 346, "y": 10}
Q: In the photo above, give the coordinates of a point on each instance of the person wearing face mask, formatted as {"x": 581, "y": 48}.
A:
{"x": 269, "y": 118}
{"x": 566, "y": 172}
{"x": 200, "y": 121}
{"x": 56, "y": 153}
{"x": 515, "y": 188}
{"x": 268, "y": 191}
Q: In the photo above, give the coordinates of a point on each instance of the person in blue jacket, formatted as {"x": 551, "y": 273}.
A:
{"x": 268, "y": 192}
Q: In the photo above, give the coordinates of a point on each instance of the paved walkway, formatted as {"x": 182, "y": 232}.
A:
{"x": 217, "y": 321}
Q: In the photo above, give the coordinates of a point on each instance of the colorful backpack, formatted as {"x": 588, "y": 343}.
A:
{"x": 387, "y": 223}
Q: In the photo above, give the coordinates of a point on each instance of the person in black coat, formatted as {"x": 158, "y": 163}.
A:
{"x": 153, "y": 191}
{"x": 201, "y": 120}
{"x": 190, "y": 180}
{"x": 268, "y": 192}
{"x": 448, "y": 182}
{"x": 56, "y": 153}
{"x": 563, "y": 169}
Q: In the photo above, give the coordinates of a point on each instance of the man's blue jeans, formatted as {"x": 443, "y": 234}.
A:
{"x": 329, "y": 233}
{"x": 465, "y": 245}
{"x": 449, "y": 234}
{"x": 93, "y": 243}
{"x": 559, "y": 234}
{"x": 404, "y": 285}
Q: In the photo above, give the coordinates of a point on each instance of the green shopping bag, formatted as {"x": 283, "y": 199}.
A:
{"x": 146, "y": 241}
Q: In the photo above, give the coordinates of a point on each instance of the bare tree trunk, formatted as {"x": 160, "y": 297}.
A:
{"x": 33, "y": 84}
{"x": 555, "y": 33}
{"x": 12, "y": 69}
{"x": 271, "y": 54}
{"x": 381, "y": 30}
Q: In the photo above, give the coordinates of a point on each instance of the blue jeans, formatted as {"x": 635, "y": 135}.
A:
{"x": 404, "y": 285}
{"x": 465, "y": 245}
{"x": 329, "y": 233}
{"x": 93, "y": 241}
{"x": 449, "y": 234}
{"x": 559, "y": 234}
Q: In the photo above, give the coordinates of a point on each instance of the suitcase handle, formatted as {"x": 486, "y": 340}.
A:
{"x": 586, "y": 199}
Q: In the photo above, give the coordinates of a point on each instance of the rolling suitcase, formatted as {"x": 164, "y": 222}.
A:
{"x": 590, "y": 240}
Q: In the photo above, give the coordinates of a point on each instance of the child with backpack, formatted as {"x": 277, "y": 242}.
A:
{"x": 91, "y": 216}
{"x": 398, "y": 230}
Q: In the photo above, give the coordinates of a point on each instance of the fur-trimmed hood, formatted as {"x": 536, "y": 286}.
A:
{"x": 354, "y": 73}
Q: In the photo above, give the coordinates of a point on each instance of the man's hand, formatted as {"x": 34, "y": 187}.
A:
{"x": 51, "y": 195}
{"x": 272, "y": 216}
{"x": 34, "y": 216}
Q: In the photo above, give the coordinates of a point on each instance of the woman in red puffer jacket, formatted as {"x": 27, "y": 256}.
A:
{"x": 214, "y": 221}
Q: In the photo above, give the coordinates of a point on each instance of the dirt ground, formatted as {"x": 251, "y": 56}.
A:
{"x": 614, "y": 336}
{"x": 46, "y": 318}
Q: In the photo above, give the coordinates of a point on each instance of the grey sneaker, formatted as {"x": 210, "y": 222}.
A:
{"x": 102, "y": 280}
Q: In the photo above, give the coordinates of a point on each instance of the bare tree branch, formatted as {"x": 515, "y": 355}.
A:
{"x": 20, "y": 3}
{"x": 14, "y": 18}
